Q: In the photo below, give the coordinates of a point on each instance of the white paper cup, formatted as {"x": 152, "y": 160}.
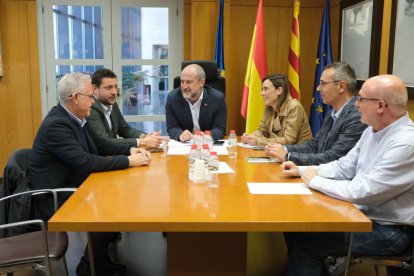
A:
{"x": 199, "y": 171}
{"x": 165, "y": 147}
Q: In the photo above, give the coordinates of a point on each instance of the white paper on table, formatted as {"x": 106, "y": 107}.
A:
{"x": 226, "y": 143}
{"x": 243, "y": 145}
{"x": 224, "y": 168}
{"x": 174, "y": 143}
{"x": 186, "y": 150}
{"x": 260, "y": 188}
{"x": 178, "y": 150}
{"x": 221, "y": 150}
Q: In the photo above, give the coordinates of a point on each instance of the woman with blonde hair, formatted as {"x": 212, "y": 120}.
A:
{"x": 284, "y": 119}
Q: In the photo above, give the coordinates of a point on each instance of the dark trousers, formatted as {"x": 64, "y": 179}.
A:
{"x": 306, "y": 251}
{"x": 100, "y": 241}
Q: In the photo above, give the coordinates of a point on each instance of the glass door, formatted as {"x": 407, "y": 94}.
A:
{"x": 77, "y": 38}
{"x": 141, "y": 41}
{"x": 146, "y": 48}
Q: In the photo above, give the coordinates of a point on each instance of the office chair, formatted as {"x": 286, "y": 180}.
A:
{"x": 33, "y": 250}
{"x": 15, "y": 181}
{"x": 403, "y": 260}
{"x": 212, "y": 78}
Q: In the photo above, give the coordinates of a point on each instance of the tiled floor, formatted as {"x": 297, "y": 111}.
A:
{"x": 143, "y": 254}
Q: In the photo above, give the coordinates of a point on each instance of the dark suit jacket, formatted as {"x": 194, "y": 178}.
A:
{"x": 213, "y": 113}
{"x": 329, "y": 145}
{"x": 120, "y": 127}
{"x": 59, "y": 159}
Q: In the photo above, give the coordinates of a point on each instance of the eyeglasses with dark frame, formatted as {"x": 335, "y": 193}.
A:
{"x": 323, "y": 83}
{"x": 361, "y": 99}
{"x": 89, "y": 96}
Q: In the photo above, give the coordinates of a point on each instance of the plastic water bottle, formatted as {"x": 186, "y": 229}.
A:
{"x": 192, "y": 157}
{"x": 232, "y": 144}
{"x": 205, "y": 155}
{"x": 208, "y": 139}
{"x": 198, "y": 140}
{"x": 214, "y": 163}
{"x": 213, "y": 181}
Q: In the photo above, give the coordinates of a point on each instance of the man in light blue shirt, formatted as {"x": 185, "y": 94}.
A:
{"x": 376, "y": 175}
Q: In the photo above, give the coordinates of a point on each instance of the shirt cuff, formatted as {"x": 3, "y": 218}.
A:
{"x": 316, "y": 182}
{"x": 302, "y": 169}
{"x": 137, "y": 143}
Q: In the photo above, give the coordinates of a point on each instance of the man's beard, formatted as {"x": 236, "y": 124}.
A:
{"x": 107, "y": 101}
{"x": 189, "y": 95}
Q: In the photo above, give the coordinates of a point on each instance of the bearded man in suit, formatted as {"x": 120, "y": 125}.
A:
{"x": 106, "y": 118}
{"x": 195, "y": 106}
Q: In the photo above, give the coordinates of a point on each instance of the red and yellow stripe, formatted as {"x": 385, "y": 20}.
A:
{"x": 252, "y": 101}
{"x": 294, "y": 54}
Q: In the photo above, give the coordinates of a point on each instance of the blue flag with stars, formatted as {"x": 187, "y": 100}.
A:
{"x": 318, "y": 108}
{"x": 219, "y": 55}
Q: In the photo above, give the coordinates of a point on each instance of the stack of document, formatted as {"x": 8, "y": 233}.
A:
{"x": 183, "y": 148}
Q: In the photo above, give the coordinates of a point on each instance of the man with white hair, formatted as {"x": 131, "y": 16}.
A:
{"x": 66, "y": 150}
{"x": 376, "y": 175}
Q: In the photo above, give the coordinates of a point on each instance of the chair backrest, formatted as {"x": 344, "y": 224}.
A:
{"x": 15, "y": 180}
{"x": 211, "y": 69}
{"x": 35, "y": 249}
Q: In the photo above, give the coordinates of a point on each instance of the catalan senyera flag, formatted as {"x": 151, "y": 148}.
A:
{"x": 219, "y": 55}
{"x": 324, "y": 57}
{"x": 252, "y": 102}
{"x": 294, "y": 54}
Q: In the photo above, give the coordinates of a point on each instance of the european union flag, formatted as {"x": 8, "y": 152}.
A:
{"x": 318, "y": 108}
{"x": 219, "y": 55}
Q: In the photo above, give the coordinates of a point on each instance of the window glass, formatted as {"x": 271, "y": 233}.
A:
{"x": 144, "y": 89}
{"x": 78, "y": 32}
{"x": 143, "y": 31}
{"x": 149, "y": 126}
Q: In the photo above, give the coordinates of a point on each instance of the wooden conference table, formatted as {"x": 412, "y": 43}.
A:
{"x": 207, "y": 228}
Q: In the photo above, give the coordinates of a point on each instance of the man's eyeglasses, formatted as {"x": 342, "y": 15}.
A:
{"x": 323, "y": 83}
{"x": 361, "y": 99}
{"x": 89, "y": 96}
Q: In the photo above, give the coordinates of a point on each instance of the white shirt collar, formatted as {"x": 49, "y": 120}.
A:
{"x": 80, "y": 122}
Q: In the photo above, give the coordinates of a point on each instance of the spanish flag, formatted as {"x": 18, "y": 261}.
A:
{"x": 252, "y": 102}
{"x": 294, "y": 53}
